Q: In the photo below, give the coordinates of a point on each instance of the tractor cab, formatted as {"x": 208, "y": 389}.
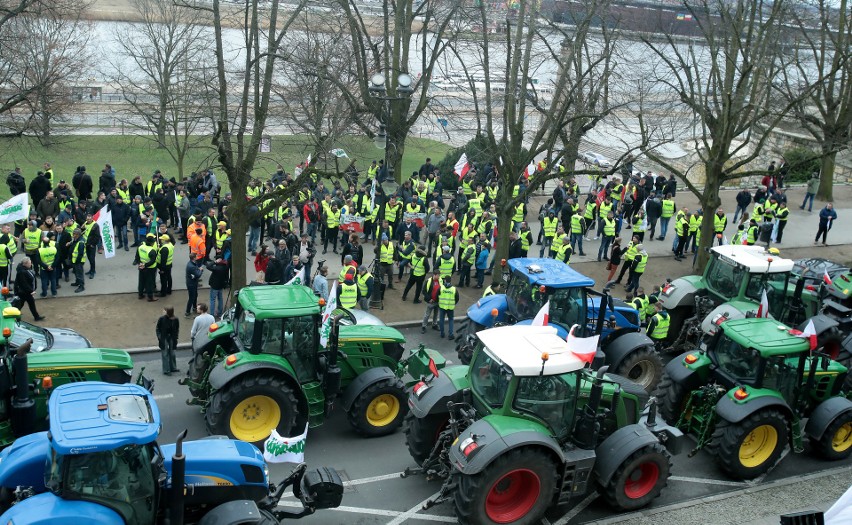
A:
{"x": 533, "y": 282}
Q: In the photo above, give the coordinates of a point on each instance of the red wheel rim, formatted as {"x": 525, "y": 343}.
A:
{"x": 512, "y": 496}
{"x": 642, "y": 480}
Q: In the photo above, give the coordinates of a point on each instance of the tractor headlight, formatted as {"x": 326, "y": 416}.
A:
{"x": 469, "y": 447}
{"x": 266, "y": 472}
{"x": 129, "y": 372}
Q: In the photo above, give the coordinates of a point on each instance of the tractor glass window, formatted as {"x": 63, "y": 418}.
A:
{"x": 119, "y": 479}
{"x": 524, "y": 297}
{"x": 245, "y": 329}
{"x": 299, "y": 336}
{"x": 741, "y": 364}
{"x": 724, "y": 278}
{"x": 775, "y": 285}
{"x": 568, "y": 307}
{"x": 489, "y": 379}
{"x": 271, "y": 336}
{"x": 550, "y": 398}
{"x": 781, "y": 375}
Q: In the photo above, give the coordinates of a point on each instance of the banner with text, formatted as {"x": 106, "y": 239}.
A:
{"x": 418, "y": 218}
{"x": 352, "y": 223}
{"x": 18, "y": 207}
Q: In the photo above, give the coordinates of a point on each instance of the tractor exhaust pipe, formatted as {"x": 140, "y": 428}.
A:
{"x": 588, "y": 424}
{"x": 23, "y": 406}
{"x": 176, "y": 497}
{"x": 331, "y": 379}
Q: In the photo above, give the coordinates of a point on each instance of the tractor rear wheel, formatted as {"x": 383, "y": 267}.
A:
{"x": 464, "y": 348}
{"x": 639, "y": 479}
{"x": 747, "y": 449}
{"x": 836, "y": 441}
{"x": 249, "y": 407}
{"x": 517, "y": 487}
{"x": 677, "y": 316}
{"x": 671, "y": 398}
{"x": 198, "y": 366}
{"x": 380, "y": 408}
{"x": 642, "y": 366}
{"x": 421, "y": 434}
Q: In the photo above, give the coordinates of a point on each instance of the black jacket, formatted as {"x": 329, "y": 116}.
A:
{"x": 274, "y": 271}
{"x": 120, "y": 213}
{"x": 25, "y": 281}
{"x": 39, "y": 188}
{"x": 653, "y": 209}
{"x": 743, "y": 198}
{"x": 168, "y": 329}
{"x": 218, "y": 275}
{"x": 16, "y": 182}
{"x": 84, "y": 191}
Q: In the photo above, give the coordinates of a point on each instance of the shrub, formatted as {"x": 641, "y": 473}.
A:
{"x": 802, "y": 162}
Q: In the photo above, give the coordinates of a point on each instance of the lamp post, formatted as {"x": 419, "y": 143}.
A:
{"x": 379, "y": 91}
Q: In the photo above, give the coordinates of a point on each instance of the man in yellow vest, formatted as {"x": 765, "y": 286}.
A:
{"x": 548, "y": 225}
{"x": 77, "y": 251}
{"x": 608, "y": 235}
{"x": 47, "y": 260}
{"x": 681, "y": 233}
{"x": 629, "y": 254}
{"x": 146, "y": 261}
{"x": 347, "y": 292}
{"x": 720, "y": 222}
{"x": 419, "y": 267}
{"x": 364, "y": 280}
{"x": 577, "y": 224}
{"x": 332, "y": 228}
{"x": 637, "y": 268}
{"x": 564, "y": 250}
{"x": 658, "y": 326}
{"x": 387, "y": 251}
{"x": 165, "y": 256}
{"x": 668, "y": 208}
{"x": 467, "y": 258}
{"x": 448, "y": 297}
{"x": 31, "y": 239}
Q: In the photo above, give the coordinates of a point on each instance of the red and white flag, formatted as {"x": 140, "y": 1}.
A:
{"x": 763, "y": 308}
{"x": 462, "y": 166}
{"x": 543, "y": 315}
{"x": 583, "y": 347}
{"x": 809, "y": 334}
{"x": 530, "y": 171}
{"x": 103, "y": 218}
{"x": 825, "y": 277}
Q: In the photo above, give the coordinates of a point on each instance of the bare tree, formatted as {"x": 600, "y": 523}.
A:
{"x": 821, "y": 67}
{"x": 726, "y": 85}
{"x": 162, "y": 72}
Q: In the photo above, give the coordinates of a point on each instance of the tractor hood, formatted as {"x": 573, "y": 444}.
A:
{"x": 79, "y": 358}
{"x": 22, "y": 463}
{"x": 219, "y": 462}
{"x": 681, "y": 292}
{"x": 371, "y": 333}
{"x": 480, "y": 311}
{"x": 223, "y": 329}
{"x": 732, "y": 310}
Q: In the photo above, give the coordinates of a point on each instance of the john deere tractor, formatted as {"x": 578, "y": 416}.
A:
{"x": 528, "y": 426}
{"x": 753, "y": 388}
{"x": 268, "y": 370}
{"x": 23, "y": 400}
{"x": 533, "y": 282}
{"x": 100, "y": 463}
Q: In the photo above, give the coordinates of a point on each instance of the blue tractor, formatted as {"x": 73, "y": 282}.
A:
{"x": 100, "y": 463}
{"x": 532, "y": 282}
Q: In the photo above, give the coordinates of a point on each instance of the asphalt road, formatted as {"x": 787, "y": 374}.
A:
{"x": 375, "y": 494}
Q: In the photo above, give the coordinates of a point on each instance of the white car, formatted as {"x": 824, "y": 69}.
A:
{"x": 590, "y": 157}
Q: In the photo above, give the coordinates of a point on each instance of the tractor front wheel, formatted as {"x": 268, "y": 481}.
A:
{"x": 642, "y": 366}
{"x": 747, "y": 449}
{"x": 249, "y": 407}
{"x": 639, "y": 479}
{"x": 671, "y": 398}
{"x": 836, "y": 441}
{"x": 421, "y": 434}
{"x": 380, "y": 408}
{"x": 517, "y": 487}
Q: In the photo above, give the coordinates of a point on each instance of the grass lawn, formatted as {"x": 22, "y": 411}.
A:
{"x": 133, "y": 155}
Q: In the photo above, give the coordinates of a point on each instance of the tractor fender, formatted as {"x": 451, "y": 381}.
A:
{"x": 824, "y": 414}
{"x": 620, "y": 347}
{"x": 731, "y": 310}
{"x": 618, "y": 447}
{"x": 480, "y": 311}
{"x": 493, "y": 445}
{"x": 682, "y": 293}
{"x": 681, "y": 374}
{"x": 22, "y": 463}
{"x": 364, "y": 381}
{"x": 434, "y": 399}
{"x": 734, "y": 412}
{"x": 49, "y": 509}
{"x": 822, "y": 324}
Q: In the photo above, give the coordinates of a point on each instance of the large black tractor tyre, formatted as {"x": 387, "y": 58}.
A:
{"x": 464, "y": 347}
{"x": 380, "y": 408}
{"x": 671, "y": 398}
{"x": 421, "y": 434}
{"x": 677, "y": 316}
{"x": 639, "y": 479}
{"x": 198, "y": 365}
{"x": 643, "y": 366}
{"x": 249, "y": 407}
{"x": 747, "y": 449}
{"x": 518, "y": 487}
{"x": 836, "y": 441}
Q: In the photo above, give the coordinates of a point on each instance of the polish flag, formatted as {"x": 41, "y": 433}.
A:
{"x": 530, "y": 171}
{"x": 825, "y": 278}
{"x": 543, "y": 315}
{"x": 763, "y": 308}
{"x": 462, "y": 166}
{"x": 583, "y": 347}
{"x": 809, "y": 334}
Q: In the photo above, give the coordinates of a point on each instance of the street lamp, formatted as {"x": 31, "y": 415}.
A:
{"x": 378, "y": 90}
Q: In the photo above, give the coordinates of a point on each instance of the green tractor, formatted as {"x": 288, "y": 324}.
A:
{"x": 265, "y": 368}
{"x": 527, "y": 426}
{"x": 25, "y": 376}
{"x": 752, "y": 388}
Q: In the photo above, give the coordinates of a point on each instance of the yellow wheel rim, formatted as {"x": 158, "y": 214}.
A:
{"x": 758, "y": 446}
{"x": 842, "y": 439}
{"x": 382, "y": 410}
{"x": 254, "y": 418}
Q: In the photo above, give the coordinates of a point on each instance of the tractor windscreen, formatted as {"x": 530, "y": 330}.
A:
{"x": 489, "y": 379}
{"x": 724, "y": 277}
{"x": 775, "y": 285}
{"x": 550, "y": 398}
{"x": 738, "y": 363}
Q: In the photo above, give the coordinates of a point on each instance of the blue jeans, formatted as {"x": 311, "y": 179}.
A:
{"x": 808, "y": 197}
{"x": 664, "y": 226}
{"x": 451, "y": 315}
{"x": 480, "y": 276}
{"x": 48, "y": 276}
{"x": 254, "y": 238}
{"x": 577, "y": 241}
{"x": 602, "y": 251}
{"x": 545, "y": 247}
{"x": 121, "y": 234}
{"x": 312, "y": 230}
{"x": 740, "y": 211}
{"x": 216, "y": 295}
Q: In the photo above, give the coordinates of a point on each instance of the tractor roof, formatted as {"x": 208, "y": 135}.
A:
{"x": 767, "y": 336}
{"x": 550, "y": 272}
{"x": 95, "y": 417}
{"x": 755, "y": 258}
{"x": 521, "y": 349}
{"x": 276, "y": 301}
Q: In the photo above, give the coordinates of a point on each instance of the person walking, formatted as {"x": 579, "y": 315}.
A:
{"x": 629, "y": 255}
{"x": 193, "y": 273}
{"x": 576, "y": 232}
{"x": 827, "y": 216}
{"x": 614, "y": 258}
{"x": 743, "y": 200}
{"x": 810, "y": 192}
{"x": 146, "y": 261}
{"x": 608, "y": 235}
{"x": 168, "y": 328}
{"x": 482, "y": 262}
{"x": 637, "y": 268}
{"x": 447, "y": 300}
{"x": 781, "y": 217}
{"x": 431, "y": 294}
{"x": 47, "y": 260}
{"x": 25, "y": 286}
{"x": 419, "y": 267}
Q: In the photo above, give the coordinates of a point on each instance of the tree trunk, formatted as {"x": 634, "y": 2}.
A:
{"x": 238, "y": 214}
{"x": 710, "y": 202}
{"x": 825, "y": 192}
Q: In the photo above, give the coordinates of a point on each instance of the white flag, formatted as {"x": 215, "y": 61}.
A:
{"x": 543, "y": 315}
{"x": 18, "y": 207}
{"x": 280, "y": 449}
{"x": 330, "y": 306}
{"x": 462, "y": 166}
{"x": 373, "y": 195}
{"x": 299, "y": 278}
{"x": 103, "y": 218}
